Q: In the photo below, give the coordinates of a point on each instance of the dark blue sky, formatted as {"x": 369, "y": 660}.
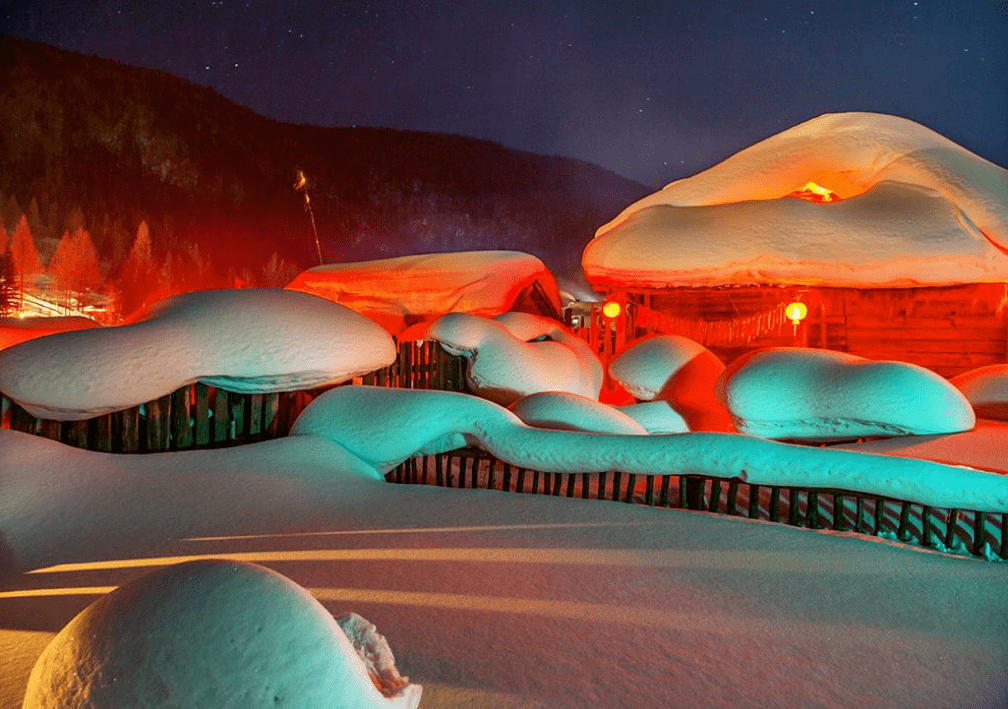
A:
{"x": 651, "y": 90}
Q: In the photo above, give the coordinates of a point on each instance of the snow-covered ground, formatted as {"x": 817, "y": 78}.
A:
{"x": 491, "y": 599}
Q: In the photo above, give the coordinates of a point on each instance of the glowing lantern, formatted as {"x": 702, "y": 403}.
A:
{"x": 796, "y": 312}
{"x": 813, "y": 192}
{"x": 611, "y": 309}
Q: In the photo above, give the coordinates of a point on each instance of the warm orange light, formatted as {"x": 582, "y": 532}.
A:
{"x": 814, "y": 192}
{"x": 796, "y": 312}
{"x": 611, "y": 309}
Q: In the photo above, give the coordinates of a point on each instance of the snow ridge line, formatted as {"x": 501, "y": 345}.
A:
{"x": 359, "y": 419}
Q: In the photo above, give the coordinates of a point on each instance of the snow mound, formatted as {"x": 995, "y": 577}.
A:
{"x": 677, "y": 370}
{"x": 914, "y": 209}
{"x": 656, "y": 417}
{"x": 14, "y": 331}
{"x": 359, "y": 418}
{"x": 987, "y": 390}
{"x": 247, "y": 341}
{"x": 209, "y": 633}
{"x": 570, "y": 412}
{"x": 518, "y": 354}
{"x": 821, "y": 395}
{"x": 400, "y": 291}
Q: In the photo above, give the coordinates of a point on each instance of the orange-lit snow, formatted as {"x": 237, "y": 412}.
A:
{"x": 399, "y": 292}
{"x": 914, "y": 209}
{"x": 14, "y": 331}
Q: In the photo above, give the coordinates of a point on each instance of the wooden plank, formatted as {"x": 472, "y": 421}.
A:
{"x": 75, "y": 433}
{"x": 585, "y": 484}
{"x": 152, "y": 409}
{"x": 474, "y": 469}
{"x": 950, "y": 525}
{"x": 600, "y": 493}
{"x": 774, "y": 504}
{"x": 491, "y": 476}
{"x": 103, "y": 431}
{"x": 439, "y": 471}
{"x": 754, "y": 501}
{"x": 129, "y": 433}
{"x": 21, "y": 420}
{"x": 663, "y": 499}
{"x": 879, "y": 516}
{"x": 569, "y": 489}
{"x": 221, "y": 417}
{"x": 617, "y": 477}
{"x": 1003, "y": 553}
{"x": 838, "y": 520}
{"x": 926, "y": 538}
{"x": 903, "y": 532}
{"x": 812, "y": 510}
{"x": 201, "y": 415}
{"x": 979, "y": 533}
{"x": 520, "y": 484}
{"x": 181, "y": 432}
{"x": 248, "y": 404}
{"x": 270, "y": 407}
{"x": 793, "y": 512}
{"x": 859, "y": 512}
{"x": 715, "y": 494}
{"x": 649, "y": 491}
{"x": 50, "y": 429}
{"x": 731, "y": 503}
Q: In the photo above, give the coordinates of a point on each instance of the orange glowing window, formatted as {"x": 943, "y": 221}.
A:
{"x": 814, "y": 192}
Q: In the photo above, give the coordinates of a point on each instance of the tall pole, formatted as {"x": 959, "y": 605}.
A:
{"x": 301, "y": 185}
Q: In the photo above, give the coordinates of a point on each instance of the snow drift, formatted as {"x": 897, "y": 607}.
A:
{"x": 14, "y": 331}
{"x": 213, "y": 633}
{"x": 569, "y": 412}
{"x": 398, "y": 292}
{"x": 915, "y": 209}
{"x": 676, "y": 370}
{"x": 517, "y": 354}
{"x": 426, "y": 421}
{"x": 821, "y": 395}
{"x": 987, "y": 390}
{"x": 246, "y": 341}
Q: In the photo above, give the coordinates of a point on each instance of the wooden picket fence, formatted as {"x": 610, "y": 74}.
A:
{"x": 201, "y": 416}
{"x": 982, "y": 533}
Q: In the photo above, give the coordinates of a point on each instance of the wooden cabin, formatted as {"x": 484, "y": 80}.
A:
{"x": 949, "y": 329}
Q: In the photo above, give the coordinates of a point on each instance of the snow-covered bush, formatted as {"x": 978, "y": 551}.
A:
{"x": 987, "y": 390}
{"x": 821, "y": 395}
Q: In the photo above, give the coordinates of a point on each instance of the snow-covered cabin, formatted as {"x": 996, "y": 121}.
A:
{"x": 893, "y": 237}
{"x": 399, "y": 292}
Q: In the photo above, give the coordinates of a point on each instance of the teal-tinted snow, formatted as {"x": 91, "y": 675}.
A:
{"x": 246, "y": 341}
{"x": 821, "y": 395}
{"x": 656, "y": 417}
{"x": 211, "y": 633}
{"x": 360, "y": 420}
{"x": 518, "y": 354}
{"x": 570, "y": 412}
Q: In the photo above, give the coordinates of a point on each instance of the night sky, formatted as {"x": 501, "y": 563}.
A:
{"x": 651, "y": 90}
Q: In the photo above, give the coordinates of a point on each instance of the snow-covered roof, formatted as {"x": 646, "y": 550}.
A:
{"x": 914, "y": 208}
{"x": 247, "y": 341}
{"x": 397, "y": 292}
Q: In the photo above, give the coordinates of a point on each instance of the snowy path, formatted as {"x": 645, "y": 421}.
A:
{"x": 493, "y": 599}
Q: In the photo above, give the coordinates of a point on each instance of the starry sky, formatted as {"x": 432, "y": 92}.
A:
{"x": 651, "y": 90}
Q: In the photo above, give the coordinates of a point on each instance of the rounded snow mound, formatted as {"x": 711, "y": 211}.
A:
{"x": 676, "y": 370}
{"x": 820, "y": 395}
{"x": 517, "y": 354}
{"x": 986, "y": 389}
{"x": 245, "y": 341}
{"x": 217, "y": 634}
{"x": 570, "y": 412}
{"x": 656, "y": 417}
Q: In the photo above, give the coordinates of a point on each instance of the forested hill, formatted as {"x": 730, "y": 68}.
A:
{"x": 89, "y": 139}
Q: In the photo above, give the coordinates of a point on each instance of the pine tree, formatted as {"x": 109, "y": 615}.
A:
{"x": 24, "y": 255}
{"x": 74, "y": 265}
{"x": 8, "y": 288}
{"x": 137, "y": 279}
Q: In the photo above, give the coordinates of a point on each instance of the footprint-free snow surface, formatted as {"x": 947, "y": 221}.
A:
{"x": 247, "y": 341}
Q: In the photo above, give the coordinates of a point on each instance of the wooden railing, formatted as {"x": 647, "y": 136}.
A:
{"x": 201, "y": 416}
{"x": 814, "y": 508}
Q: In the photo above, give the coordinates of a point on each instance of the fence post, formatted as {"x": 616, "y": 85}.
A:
{"x": 181, "y": 433}
{"x": 221, "y": 416}
{"x": 202, "y": 415}
{"x": 131, "y": 430}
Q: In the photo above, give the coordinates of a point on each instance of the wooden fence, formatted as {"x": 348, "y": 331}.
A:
{"x": 815, "y": 508}
{"x": 201, "y": 416}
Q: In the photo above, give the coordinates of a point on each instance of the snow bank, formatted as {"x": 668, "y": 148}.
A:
{"x": 987, "y": 390}
{"x": 821, "y": 395}
{"x": 241, "y": 340}
{"x": 359, "y": 419}
{"x": 916, "y": 209}
{"x": 399, "y": 291}
{"x": 656, "y": 417}
{"x": 570, "y": 412}
{"x": 518, "y": 354}
{"x": 14, "y": 331}
{"x": 208, "y": 633}
{"x": 677, "y": 370}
